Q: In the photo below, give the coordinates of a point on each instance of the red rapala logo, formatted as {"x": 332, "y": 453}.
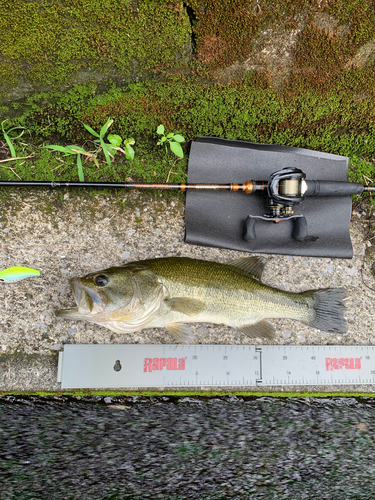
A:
{"x": 153, "y": 364}
{"x": 339, "y": 363}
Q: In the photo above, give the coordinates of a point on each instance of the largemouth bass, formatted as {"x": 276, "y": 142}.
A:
{"x": 171, "y": 292}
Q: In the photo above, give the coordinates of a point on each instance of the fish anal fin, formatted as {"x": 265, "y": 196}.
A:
{"x": 260, "y": 329}
{"x": 252, "y": 266}
{"x": 181, "y": 331}
{"x": 187, "y": 306}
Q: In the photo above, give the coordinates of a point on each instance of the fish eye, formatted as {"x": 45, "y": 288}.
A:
{"x": 101, "y": 280}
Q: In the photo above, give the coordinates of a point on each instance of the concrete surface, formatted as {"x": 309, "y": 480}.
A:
{"x": 65, "y": 234}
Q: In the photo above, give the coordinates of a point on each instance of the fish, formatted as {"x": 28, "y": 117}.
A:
{"x": 17, "y": 273}
{"x": 172, "y": 292}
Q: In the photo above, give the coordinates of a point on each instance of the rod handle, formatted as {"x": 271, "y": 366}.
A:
{"x": 332, "y": 188}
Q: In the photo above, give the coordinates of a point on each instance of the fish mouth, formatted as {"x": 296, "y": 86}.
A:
{"x": 88, "y": 301}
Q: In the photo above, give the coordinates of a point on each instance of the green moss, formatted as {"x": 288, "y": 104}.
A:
{"x": 188, "y": 393}
{"x": 46, "y": 42}
{"x": 360, "y": 16}
{"x": 339, "y": 120}
{"x": 225, "y": 30}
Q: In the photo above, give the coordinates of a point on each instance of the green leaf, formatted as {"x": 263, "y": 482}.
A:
{"x": 129, "y": 152}
{"x": 62, "y": 149}
{"x": 160, "y": 129}
{"x": 11, "y": 147}
{"x": 75, "y": 149}
{"x": 105, "y": 127}
{"x": 170, "y": 135}
{"x": 105, "y": 151}
{"x": 2, "y": 124}
{"x": 163, "y": 139}
{"x": 80, "y": 169}
{"x": 92, "y": 131}
{"x": 114, "y": 139}
{"x": 130, "y": 141}
{"x": 112, "y": 150}
{"x": 177, "y": 149}
{"x": 178, "y": 138}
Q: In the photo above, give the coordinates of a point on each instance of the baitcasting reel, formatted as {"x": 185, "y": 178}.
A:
{"x": 286, "y": 188}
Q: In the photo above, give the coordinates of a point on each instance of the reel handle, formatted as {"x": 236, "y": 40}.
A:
{"x": 250, "y": 233}
{"x": 299, "y": 227}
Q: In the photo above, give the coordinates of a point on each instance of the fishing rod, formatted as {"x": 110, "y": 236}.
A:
{"x": 284, "y": 190}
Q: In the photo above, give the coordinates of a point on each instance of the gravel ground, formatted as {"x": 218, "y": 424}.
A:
{"x": 64, "y": 235}
{"x": 170, "y": 448}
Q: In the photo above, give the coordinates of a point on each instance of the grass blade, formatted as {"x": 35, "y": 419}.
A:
{"x": 80, "y": 169}
{"x": 105, "y": 127}
{"x": 11, "y": 147}
{"x": 92, "y": 131}
{"x": 105, "y": 151}
{"x": 62, "y": 149}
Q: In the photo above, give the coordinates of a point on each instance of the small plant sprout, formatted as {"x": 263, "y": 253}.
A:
{"x": 71, "y": 150}
{"x": 110, "y": 149}
{"x": 128, "y": 151}
{"x": 172, "y": 139}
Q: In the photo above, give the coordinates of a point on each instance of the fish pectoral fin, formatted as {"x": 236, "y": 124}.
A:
{"x": 253, "y": 266}
{"x": 260, "y": 329}
{"x": 181, "y": 331}
{"x": 187, "y": 306}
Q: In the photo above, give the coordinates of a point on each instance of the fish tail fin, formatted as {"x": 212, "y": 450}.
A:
{"x": 328, "y": 309}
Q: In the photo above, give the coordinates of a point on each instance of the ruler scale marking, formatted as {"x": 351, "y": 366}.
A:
{"x": 167, "y": 365}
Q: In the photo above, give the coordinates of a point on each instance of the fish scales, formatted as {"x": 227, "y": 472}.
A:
{"x": 228, "y": 292}
{"x": 171, "y": 292}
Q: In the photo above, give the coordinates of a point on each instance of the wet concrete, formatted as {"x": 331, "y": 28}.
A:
{"x": 65, "y": 234}
{"x": 183, "y": 448}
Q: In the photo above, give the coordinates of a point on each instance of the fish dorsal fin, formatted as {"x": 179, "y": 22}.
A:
{"x": 187, "y": 306}
{"x": 250, "y": 265}
{"x": 182, "y": 332}
{"x": 260, "y": 329}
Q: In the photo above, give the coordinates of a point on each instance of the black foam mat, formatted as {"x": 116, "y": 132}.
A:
{"x": 217, "y": 218}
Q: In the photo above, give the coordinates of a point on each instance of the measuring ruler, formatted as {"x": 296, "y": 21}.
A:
{"x": 170, "y": 365}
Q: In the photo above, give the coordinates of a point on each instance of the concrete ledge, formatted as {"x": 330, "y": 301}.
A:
{"x": 65, "y": 235}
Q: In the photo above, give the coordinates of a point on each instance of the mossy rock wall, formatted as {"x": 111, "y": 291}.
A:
{"x": 53, "y": 43}
{"x": 48, "y": 44}
{"x": 293, "y": 72}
